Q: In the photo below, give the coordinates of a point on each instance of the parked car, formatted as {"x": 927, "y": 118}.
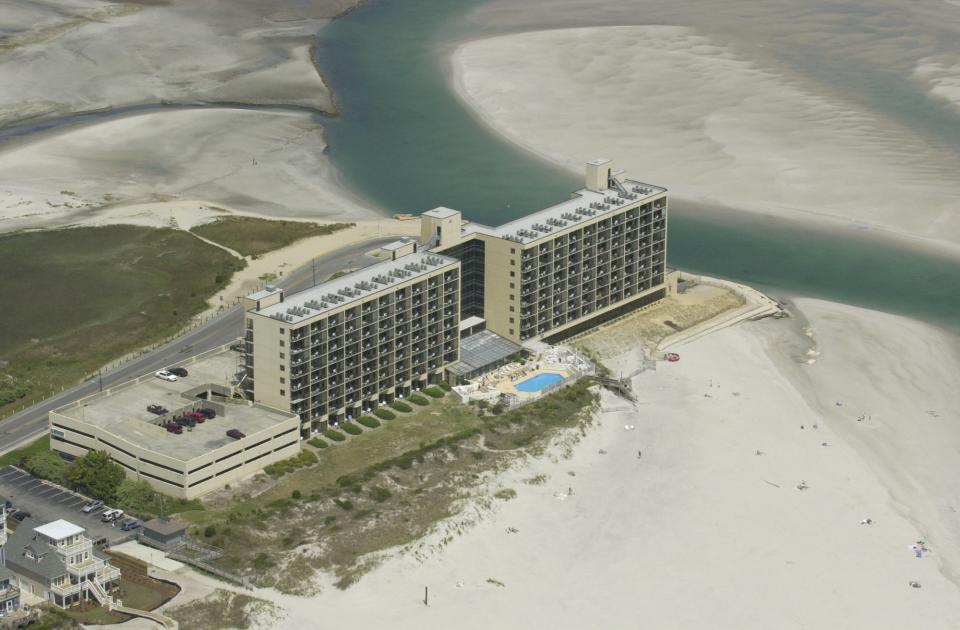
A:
{"x": 19, "y": 516}
{"x": 157, "y": 409}
{"x": 208, "y": 413}
{"x": 91, "y": 506}
{"x": 165, "y": 375}
{"x": 235, "y": 434}
{"x": 130, "y": 524}
{"x": 111, "y": 515}
{"x": 173, "y": 427}
{"x": 178, "y": 371}
{"x": 196, "y": 415}
{"x": 185, "y": 421}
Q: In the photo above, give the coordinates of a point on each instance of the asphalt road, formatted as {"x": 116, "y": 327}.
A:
{"x": 31, "y": 423}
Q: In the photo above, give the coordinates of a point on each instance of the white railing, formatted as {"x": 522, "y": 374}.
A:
{"x": 100, "y": 594}
{"x": 85, "y": 567}
{"x": 107, "y": 574}
{"x": 85, "y": 544}
{"x": 66, "y": 589}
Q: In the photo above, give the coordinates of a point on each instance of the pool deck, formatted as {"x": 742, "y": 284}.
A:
{"x": 508, "y": 382}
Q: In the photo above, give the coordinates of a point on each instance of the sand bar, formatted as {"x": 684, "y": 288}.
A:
{"x": 66, "y": 56}
{"x": 681, "y": 109}
{"x": 265, "y": 163}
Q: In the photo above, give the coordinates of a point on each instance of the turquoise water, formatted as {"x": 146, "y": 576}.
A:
{"x": 538, "y": 382}
{"x": 405, "y": 142}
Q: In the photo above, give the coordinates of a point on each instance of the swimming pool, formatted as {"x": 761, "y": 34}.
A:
{"x": 538, "y": 382}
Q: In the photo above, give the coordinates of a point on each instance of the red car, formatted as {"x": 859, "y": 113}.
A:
{"x": 173, "y": 427}
{"x": 196, "y": 415}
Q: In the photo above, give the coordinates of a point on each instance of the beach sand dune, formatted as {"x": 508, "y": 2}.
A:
{"x": 679, "y": 108}
{"x": 271, "y": 164}
{"x": 708, "y": 529}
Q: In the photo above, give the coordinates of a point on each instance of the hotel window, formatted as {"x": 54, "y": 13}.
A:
{"x": 511, "y": 331}
{"x": 281, "y": 356}
{"x": 513, "y": 262}
{"x": 282, "y": 380}
{"x": 282, "y": 343}
{"x": 283, "y": 393}
{"x": 283, "y": 368}
{"x": 513, "y": 274}
{"x": 511, "y": 320}
{"x": 513, "y": 250}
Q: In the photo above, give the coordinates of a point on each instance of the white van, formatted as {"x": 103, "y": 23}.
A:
{"x": 111, "y": 515}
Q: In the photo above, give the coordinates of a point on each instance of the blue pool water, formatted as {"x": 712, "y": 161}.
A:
{"x": 538, "y": 382}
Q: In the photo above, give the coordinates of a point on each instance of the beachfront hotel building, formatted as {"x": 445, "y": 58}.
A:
{"x": 562, "y": 270}
{"x": 343, "y": 347}
{"x": 464, "y": 298}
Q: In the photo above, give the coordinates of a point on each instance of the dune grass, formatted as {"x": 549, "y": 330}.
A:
{"x": 79, "y": 298}
{"x": 251, "y": 236}
{"x": 383, "y": 488}
{"x": 41, "y": 445}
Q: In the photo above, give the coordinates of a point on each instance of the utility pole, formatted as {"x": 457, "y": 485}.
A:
{"x": 100, "y": 378}
{"x": 426, "y": 595}
{"x": 314, "y": 264}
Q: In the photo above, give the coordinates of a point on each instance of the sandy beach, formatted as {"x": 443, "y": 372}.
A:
{"x": 702, "y": 531}
{"x": 680, "y": 108}
{"x": 744, "y": 511}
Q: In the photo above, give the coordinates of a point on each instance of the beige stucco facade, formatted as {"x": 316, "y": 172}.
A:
{"x": 569, "y": 267}
{"x": 332, "y": 352}
{"x": 335, "y": 351}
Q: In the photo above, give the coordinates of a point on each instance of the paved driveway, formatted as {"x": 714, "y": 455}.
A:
{"x": 47, "y": 502}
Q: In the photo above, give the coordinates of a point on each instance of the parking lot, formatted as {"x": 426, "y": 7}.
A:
{"x": 47, "y": 502}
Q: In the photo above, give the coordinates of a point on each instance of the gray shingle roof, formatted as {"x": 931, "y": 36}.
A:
{"x": 49, "y": 566}
{"x": 6, "y": 573}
